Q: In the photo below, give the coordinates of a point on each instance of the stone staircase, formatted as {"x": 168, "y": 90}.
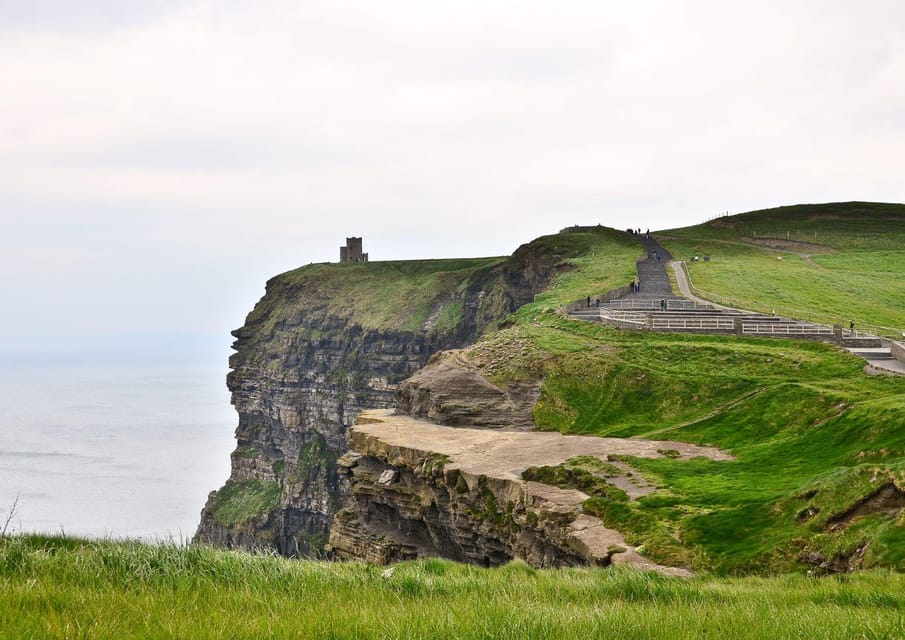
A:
{"x": 652, "y": 278}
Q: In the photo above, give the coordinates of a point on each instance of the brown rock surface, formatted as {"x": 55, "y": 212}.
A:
{"x": 451, "y": 390}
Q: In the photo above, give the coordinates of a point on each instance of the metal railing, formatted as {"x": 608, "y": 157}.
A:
{"x": 654, "y": 305}
{"x": 786, "y": 329}
{"x": 702, "y": 324}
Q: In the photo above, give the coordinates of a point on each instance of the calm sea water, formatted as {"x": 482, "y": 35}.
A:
{"x": 101, "y": 446}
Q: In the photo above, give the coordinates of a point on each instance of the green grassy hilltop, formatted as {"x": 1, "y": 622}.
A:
{"x": 839, "y": 262}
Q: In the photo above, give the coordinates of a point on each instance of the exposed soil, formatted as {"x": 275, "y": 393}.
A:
{"x": 888, "y": 500}
{"x": 790, "y": 246}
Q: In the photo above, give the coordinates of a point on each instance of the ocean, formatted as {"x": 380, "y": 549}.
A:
{"x": 112, "y": 443}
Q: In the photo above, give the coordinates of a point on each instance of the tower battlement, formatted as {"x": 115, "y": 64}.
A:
{"x": 352, "y": 251}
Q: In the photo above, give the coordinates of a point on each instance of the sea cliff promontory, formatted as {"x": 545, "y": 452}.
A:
{"x": 329, "y": 340}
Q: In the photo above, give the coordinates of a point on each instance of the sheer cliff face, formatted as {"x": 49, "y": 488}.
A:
{"x": 324, "y": 343}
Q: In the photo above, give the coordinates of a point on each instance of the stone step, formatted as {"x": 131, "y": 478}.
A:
{"x": 872, "y": 353}
{"x": 868, "y": 342}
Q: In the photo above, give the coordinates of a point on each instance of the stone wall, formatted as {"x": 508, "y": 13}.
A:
{"x": 897, "y": 349}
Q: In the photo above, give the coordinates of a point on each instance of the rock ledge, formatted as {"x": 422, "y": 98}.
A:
{"x": 421, "y": 489}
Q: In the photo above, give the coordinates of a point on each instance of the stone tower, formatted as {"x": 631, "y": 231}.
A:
{"x": 352, "y": 251}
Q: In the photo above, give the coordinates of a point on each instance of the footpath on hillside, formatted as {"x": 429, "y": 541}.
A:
{"x": 653, "y": 281}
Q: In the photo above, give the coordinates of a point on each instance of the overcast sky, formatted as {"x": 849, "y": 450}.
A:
{"x": 160, "y": 160}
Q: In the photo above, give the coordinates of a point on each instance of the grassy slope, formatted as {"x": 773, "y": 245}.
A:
{"x": 603, "y": 259}
{"x": 797, "y": 415}
{"x": 853, "y": 272}
{"x": 64, "y": 588}
{"x": 375, "y": 295}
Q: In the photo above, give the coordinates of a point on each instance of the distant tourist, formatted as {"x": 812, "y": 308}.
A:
{"x": 589, "y": 301}
{"x": 851, "y": 327}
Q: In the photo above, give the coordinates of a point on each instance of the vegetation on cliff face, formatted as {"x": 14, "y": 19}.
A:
{"x": 379, "y": 296}
{"x": 407, "y": 296}
{"x": 65, "y": 588}
{"x": 839, "y": 262}
{"x": 241, "y": 501}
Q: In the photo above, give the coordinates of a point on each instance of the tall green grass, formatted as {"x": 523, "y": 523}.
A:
{"x": 65, "y": 588}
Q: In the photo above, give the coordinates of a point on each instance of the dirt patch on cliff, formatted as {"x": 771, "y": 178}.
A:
{"x": 888, "y": 500}
{"x": 789, "y": 246}
{"x": 508, "y": 454}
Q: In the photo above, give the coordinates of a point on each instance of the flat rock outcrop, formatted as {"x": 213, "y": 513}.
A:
{"x": 423, "y": 489}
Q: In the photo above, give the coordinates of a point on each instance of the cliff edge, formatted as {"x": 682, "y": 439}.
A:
{"x": 327, "y": 341}
{"x": 422, "y": 489}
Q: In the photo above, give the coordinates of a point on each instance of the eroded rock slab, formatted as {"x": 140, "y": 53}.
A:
{"x": 459, "y": 493}
{"x": 452, "y": 390}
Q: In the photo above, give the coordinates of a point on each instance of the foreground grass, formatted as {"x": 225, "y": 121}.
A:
{"x": 840, "y": 262}
{"x": 66, "y": 588}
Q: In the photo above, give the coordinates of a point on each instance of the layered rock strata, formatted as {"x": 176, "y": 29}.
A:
{"x": 305, "y": 366}
{"x": 422, "y": 489}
